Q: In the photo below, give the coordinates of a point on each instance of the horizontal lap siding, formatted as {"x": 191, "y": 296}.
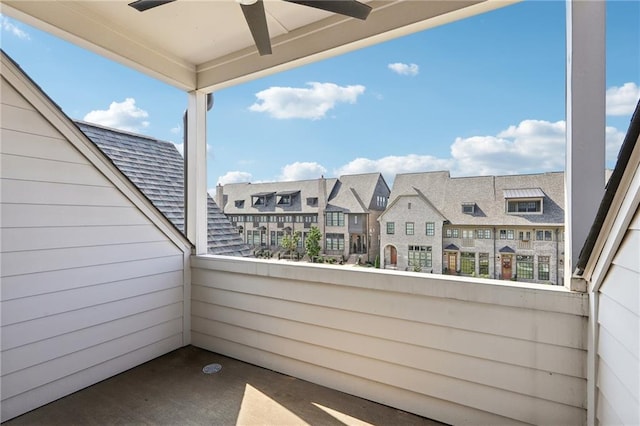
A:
{"x": 90, "y": 286}
{"x": 490, "y": 363}
{"x": 619, "y": 335}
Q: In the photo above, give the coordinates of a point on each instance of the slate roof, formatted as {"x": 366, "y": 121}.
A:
{"x": 157, "y": 169}
{"x": 354, "y": 193}
{"x": 447, "y": 195}
{"x": 349, "y": 193}
{"x": 244, "y": 191}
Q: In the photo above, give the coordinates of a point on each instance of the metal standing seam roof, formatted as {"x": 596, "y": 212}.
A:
{"x": 524, "y": 193}
{"x": 157, "y": 169}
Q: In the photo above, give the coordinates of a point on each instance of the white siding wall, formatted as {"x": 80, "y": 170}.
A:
{"x": 619, "y": 335}
{"x": 90, "y": 287}
{"x": 449, "y": 348}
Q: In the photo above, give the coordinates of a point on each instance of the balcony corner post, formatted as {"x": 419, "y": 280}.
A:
{"x": 196, "y": 172}
{"x": 585, "y": 118}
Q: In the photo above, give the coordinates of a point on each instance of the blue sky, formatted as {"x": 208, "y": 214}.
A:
{"x": 480, "y": 96}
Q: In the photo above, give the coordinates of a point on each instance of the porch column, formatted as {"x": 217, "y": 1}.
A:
{"x": 585, "y": 114}
{"x": 196, "y": 172}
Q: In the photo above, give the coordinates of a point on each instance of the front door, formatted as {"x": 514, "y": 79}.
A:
{"x": 506, "y": 266}
{"x": 452, "y": 263}
{"x": 393, "y": 255}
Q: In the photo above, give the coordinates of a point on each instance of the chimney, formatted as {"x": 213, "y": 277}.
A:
{"x": 220, "y": 197}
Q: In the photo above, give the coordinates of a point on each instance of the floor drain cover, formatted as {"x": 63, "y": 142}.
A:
{"x": 211, "y": 368}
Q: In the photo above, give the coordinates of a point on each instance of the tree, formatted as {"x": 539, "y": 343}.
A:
{"x": 290, "y": 242}
{"x": 312, "y": 242}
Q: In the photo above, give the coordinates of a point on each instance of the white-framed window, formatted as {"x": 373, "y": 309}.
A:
{"x": 544, "y": 235}
{"x": 506, "y": 234}
{"x": 524, "y": 206}
{"x": 483, "y": 234}
{"x": 543, "y": 268}
{"x": 335, "y": 219}
{"x": 391, "y": 228}
{"x": 451, "y": 233}
{"x": 524, "y": 267}
{"x": 468, "y": 208}
{"x": 409, "y": 228}
{"x": 524, "y": 235}
{"x": 284, "y": 200}
{"x": 420, "y": 256}
{"x": 430, "y": 228}
{"x": 334, "y": 242}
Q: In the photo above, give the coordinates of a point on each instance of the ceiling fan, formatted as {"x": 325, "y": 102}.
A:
{"x": 256, "y": 18}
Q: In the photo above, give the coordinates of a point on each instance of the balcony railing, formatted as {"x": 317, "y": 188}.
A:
{"x": 525, "y": 244}
{"x": 455, "y": 349}
{"x": 468, "y": 242}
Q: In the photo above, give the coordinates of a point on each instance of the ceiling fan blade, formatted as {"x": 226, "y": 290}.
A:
{"x": 257, "y": 21}
{"x": 142, "y": 5}
{"x": 352, "y": 8}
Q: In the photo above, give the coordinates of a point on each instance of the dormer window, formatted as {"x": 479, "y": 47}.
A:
{"x": 312, "y": 201}
{"x": 468, "y": 208}
{"x": 285, "y": 198}
{"x": 239, "y": 204}
{"x": 261, "y": 199}
{"x": 524, "y": 201}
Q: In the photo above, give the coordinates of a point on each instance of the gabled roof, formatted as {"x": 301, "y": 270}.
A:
{"x": 448, "y": 194}
{"x": 157, "y": 169}
{"x": 416, "y": 193}
{"x": 354, "y": 193}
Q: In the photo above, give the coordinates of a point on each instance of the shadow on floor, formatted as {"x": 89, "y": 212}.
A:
{"x": 173, "y": 390}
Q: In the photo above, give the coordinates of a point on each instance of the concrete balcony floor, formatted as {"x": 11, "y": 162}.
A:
{"x": 173, "y": 390}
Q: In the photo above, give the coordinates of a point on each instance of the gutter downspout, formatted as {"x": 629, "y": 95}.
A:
{"x": 494, "y": 253}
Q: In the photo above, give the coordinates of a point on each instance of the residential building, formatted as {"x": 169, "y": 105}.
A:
{"x": 157, "y": 169}
{"x": 504, "y": 227}
{"x": 345, "y": 210}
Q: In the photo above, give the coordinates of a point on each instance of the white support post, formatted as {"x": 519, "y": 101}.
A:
{"x": 196, "y": 172}
{"x": 585, "y": 100}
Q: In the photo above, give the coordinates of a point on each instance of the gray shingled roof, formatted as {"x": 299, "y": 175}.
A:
{"x": 157, "y": 169}
{"x": 244, "y": 191}
{"x": 488, "y": 193}
{"x": 354, "y": 193}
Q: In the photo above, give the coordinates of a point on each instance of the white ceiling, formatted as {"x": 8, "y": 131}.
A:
{"x": 206, "y": 44}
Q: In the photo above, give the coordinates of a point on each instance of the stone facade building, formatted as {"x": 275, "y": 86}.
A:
{"x": 345, "y": 209}
{"x": 503, "y": 227}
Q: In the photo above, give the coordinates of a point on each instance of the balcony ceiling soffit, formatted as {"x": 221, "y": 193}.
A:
{"x": 206, "y": 45}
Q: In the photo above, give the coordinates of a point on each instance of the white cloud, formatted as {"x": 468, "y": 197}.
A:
{"x": 121, "y": 115}
{"x": 9, "y": 26}
{"x": 302, "y": 171}
{"x": 392, "y": 165}
{"x": 614, "y": 138}
{"x": 404, "y": 69}
{"x": 622, "y": 100}
{"x": 176, "y": 130}
{"x": 308, "y": 103}
{"x": 234, "y": 177}
{"x": 530, "y": 146}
